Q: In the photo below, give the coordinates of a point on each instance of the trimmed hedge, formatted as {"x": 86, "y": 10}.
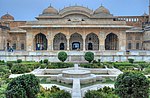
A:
{"x": 94, "y": 65}
{"x": 60, "y": 65}
{"x": 62, "y": 56}
{"x": 89, "y": 56}
{"x": 116, "y": 65}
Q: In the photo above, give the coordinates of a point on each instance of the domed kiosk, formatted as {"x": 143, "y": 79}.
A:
{"x": 7, "y": 17}
{"x": 101, "y": 9}
{"x": 50, "y": 10}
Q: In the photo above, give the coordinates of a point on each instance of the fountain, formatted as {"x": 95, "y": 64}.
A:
{"x": 85, "y": 76}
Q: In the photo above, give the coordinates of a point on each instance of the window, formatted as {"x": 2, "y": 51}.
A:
{"x": 129, "y": 45}
{"x": 22, "y": 46}
{"x": 137, "y": 46}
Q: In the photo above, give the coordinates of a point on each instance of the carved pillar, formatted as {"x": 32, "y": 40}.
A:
{"x": 50, "y": 41}
{"x": 29, "y": 41}
{"x": 84, "y": 43}
{"x": 122, "y": 41}
{"x": 101, "y": 41}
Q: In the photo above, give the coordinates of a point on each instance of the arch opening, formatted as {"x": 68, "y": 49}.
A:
{"x": 111, "y": 42}
{"x": 60, "y": 42}
{"x": 92, "y": 42}
{"x": 40, "y": 42}
{"x": 76, "y": 42}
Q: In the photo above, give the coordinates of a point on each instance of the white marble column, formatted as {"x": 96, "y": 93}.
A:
{"x": 68, "y": 42}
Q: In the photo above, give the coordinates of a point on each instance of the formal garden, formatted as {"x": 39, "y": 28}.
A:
{"x": 131, "y": 84}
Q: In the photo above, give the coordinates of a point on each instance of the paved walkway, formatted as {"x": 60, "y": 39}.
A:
{"x": 76, "y": 90}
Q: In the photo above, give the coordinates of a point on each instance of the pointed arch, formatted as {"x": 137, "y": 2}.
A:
{"x": 92, "y": 42}
{"x": 60, "y": 42}
{"x": 76, "y": 42}
{"x": 40, "y": 41}
{"x": 111, "y": 42}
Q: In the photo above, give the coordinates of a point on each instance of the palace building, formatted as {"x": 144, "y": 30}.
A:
{"x": 76, "y": 28}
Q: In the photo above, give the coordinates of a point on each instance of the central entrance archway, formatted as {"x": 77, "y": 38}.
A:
{"x": 76, "y": 42}
{"x": 40, "y": 42}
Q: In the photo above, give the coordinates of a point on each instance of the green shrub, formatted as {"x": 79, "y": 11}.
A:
{"x": 45, "y": 61}
{"x": 131, "y": 60}
{"x": 89, "y": 56}
{"x": 9, "y": 64}
{"x": 62, "y": 56}
{"x": 41, "y": 62}
{"x": 126, "y": 68}
{"x": 42, "y": 66}
{"x": 53, "y": 92}
{"x": 95, "y": 65}
{"x": 60, "y": 65}
{"x": 146, "y": 71}
{"x": 116, "y": 65}
{"x": 19, "y": 69}
{"x": 2, "y": 61}
{"x": 25, "y": 86}
{"x": 94, "y": 61}
{"x": 132, "y": 85}
{"x": 19, "y": 60}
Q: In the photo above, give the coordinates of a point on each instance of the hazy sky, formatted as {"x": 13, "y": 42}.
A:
{"x": 29, "y": 9}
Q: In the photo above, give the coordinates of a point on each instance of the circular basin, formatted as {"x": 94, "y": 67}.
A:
{"x": 76, "y": 73}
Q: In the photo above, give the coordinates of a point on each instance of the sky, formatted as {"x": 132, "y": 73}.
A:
{"x": 29, "y": 9}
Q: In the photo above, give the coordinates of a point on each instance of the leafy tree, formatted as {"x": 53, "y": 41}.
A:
{"x": 55, "y": 89}
{"x": 25, "y": 86}
{"x": 53, "y": 92}
{"x": 62, "y": 56}
{"x": 60, "y": 94}
{"x": 89, "y": 56}
{"x": 94, "y": 94}
{"x": 100, "y": 94}
{"x": 132, "y": 85}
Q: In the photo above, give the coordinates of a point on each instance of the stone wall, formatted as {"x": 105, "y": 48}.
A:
{"x": 76, "y": 56}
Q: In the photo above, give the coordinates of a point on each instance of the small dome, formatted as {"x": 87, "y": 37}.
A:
{"x": 50, "y": 10}
{"x": 101, "y": 9}
{"x": 7, "y": 17}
